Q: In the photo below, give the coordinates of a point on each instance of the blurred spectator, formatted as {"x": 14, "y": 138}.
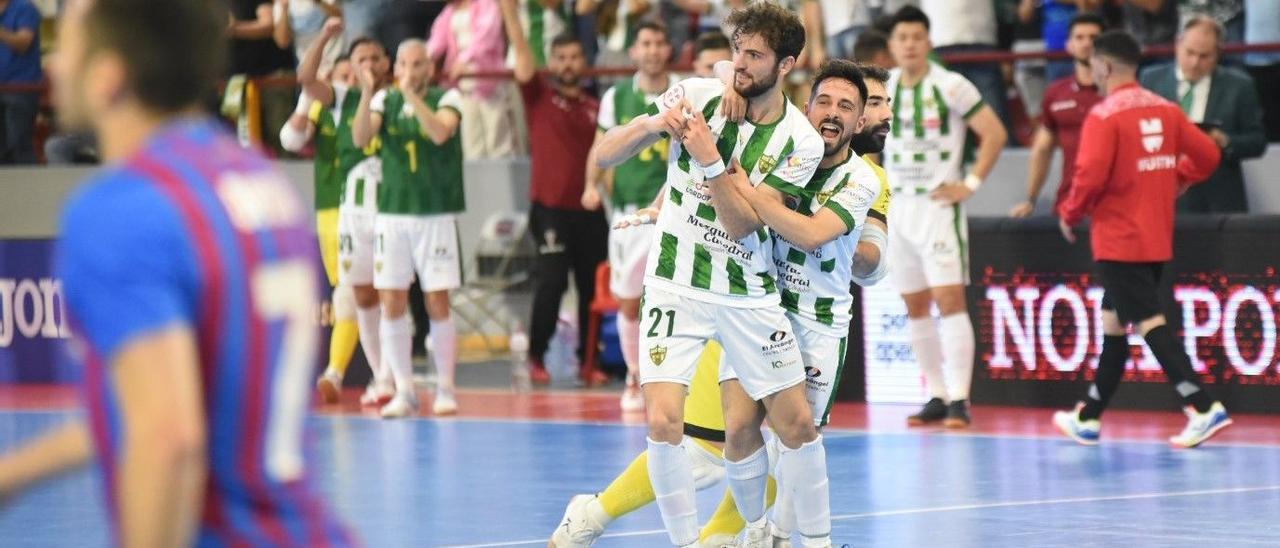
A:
{"x": 298, "y": 24}
{"x": 71, "y": 148}
{"x": 1067, "y": 103}
{"x": 468, "y": 36}
{"x": 969, "y": 26}
{"x": 1028, "y": 37}
{"x": 1261, "y": 27}
{"x": 1152, "y": 22}
{"x": 400, "y": 20}
{"x": 562, "y": 126}
{"x": 873, "y": 47}
{"x": 1221, "y": 100}
{"x": 843, "y": 21}
{"x": 711, "y": 48}
{"x": 20, "y": 65}
{"x": 255, "y": 53}
{"x": 541, "y": 21}
{"x": 361, "y": 17}
{"x": 616, "y": 22}
{"x": 1228, "y": 13}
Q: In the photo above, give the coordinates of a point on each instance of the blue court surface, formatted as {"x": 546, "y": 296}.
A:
{"x": 487, "y": 482}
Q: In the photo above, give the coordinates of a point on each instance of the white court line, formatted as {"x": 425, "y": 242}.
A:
{"x": 954, "y": 508}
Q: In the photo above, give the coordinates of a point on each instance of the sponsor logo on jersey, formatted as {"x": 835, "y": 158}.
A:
{"x": 657, "y": 354}
{"x": 1152, "y": 134}
{"x": 778, "y": 336}
{"x": 812, "y": 372}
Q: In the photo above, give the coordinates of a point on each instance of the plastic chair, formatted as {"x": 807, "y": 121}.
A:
{"x": 602, "y": 303}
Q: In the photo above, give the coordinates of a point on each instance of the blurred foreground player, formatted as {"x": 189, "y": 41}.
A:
{"x": 1138, "y": 152}
{"x": 191, "y": 280}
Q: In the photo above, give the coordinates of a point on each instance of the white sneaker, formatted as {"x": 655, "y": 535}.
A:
{"x": 377, "y": 393}
{"x": 718, "y": 540}
{"x": 445, "y": 403}
{"x": 1202, "y": 426}
{"x": 632, "y": 399}
{"x": 755, "y": 535}
{"x": 577, "y": 529}
{"x": 403, "y": 404}
{"x": 781, "y": 539}
{"x": 329, "y": 385}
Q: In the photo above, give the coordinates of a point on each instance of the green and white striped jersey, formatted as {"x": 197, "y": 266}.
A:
{"x": 541, "y": 25}
{"x": 637, "y": 180}
{"x": 930, "y": 121}
{"x": 360, "y": 191}
{"x": 692, "y": 254}
{"x": 815, "y": 285}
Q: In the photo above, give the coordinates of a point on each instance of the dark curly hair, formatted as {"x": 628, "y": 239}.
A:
{"x": 780, "y": 28}
{"x": 840, "y": 69}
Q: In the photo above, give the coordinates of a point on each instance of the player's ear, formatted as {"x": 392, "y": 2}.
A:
{"x": 106, "y": 78}
{"x": 785, "y": 65}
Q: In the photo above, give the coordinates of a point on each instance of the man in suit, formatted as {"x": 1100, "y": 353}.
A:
{"x": 1223, "y": 101}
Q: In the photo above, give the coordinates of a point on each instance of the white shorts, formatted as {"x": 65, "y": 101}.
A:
{"x": 760, "y": 349}
{"x": 425, "y": 244}
{"x": 628, "y": 252}
{"x": 930, "y": 243}
{"x": 823, "y": 356}
{"x": 356, "y": 242}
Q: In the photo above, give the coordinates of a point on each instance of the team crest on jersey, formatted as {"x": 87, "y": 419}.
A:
{"x": 823, "y": 197}
{"x": 346, "y": 266}
{"x": 767, "y": 163}
{"x": 658, "y": 354}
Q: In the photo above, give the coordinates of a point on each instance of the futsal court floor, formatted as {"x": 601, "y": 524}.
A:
{"x": 500, "y": 473}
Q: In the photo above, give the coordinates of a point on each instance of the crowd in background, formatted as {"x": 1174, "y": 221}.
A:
{"x": 466, "y": 36}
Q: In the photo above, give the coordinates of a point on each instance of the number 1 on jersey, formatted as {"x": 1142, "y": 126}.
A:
{"x": 412, "y": 147}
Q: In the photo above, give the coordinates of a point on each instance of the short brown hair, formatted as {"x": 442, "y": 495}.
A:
{"x": 781, "y": 29}
{"x": 174, "y": 51}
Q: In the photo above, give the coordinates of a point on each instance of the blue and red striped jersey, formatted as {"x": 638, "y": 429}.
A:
{"x": 195, "y": 231}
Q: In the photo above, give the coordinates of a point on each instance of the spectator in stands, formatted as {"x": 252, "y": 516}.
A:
{"x": 1028, "y": 36}
{"x": 969, "y": 26}
{"x": 1151, "y": 22}
{"x": 254, "y": 53}
{"x": 1228, "y": 13}
{"x": 844, "y": 21}
{"x": 298, "y": 24}
{"x": 1261, "y": 28}
{"x": 541, "y": 21}
{"x": 872, "y": 48}
{"x": 1223, "y": 101}
{"x": 468, "y": 37}
{"x": 1066, "y": 104}
{"x": 616, "y": 22}
{"x": 711, "y": 48}
{"x": 562, "y": 126}
{"x": 361, "y": 17}
{"x": 19, "y": 65}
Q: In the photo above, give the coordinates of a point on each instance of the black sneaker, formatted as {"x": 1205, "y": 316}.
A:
{"x": 933, "y": 411}
{"x": 957, "y": 415}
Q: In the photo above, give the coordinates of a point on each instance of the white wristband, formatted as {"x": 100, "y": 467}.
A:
{"x": 972, "y": 181}
{"x": 712, "y": 171}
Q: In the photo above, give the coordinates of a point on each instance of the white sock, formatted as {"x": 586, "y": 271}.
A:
{"x": 805, "y": 470}
{"x": 957, "y": 344}
{"x": 629, "y": 339}
{"x": 368, "y": 319}
{"x": 397, "y": 350}
{"x": 928, "y": 350}
{"x": 671, "y": 474}
{"x": 444, "y": 350}
{"x": 784, "y": 511}
{"x": 748, "y": 480}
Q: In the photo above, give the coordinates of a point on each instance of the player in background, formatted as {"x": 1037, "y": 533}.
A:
{"x": 1066, "y": 104}
{"x": 420, "y": 194}
{"x": 1138, "y": 153}
{"x": 330, "y": 113}
{"x": 191, "y": 286}
{"x": 933, "y": 108}
{"x": 588, "y": 515}
{"x": 631, "y": 185}
{"x": 710, "y": 277}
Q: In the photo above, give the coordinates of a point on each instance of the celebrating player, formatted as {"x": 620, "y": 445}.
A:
{"x": 420, "y": 193}
{"x": 347, "y": 254}
{"x": 923, "y": 157}
{"x": 189, "y": 271}
{"x": 632, "y": 185}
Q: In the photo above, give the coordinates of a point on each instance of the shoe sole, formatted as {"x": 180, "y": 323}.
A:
{"x": 955, "y": 424}
{"x": 1070, "y": 434}
{"x": 329, "y": 392}
{"x": 1206, "y": 437}
{"x": 913, "y": 421}
{"x": 445, "y": 411}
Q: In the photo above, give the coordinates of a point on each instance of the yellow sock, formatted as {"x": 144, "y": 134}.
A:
{"x": 727, "y": 520}
{"x": 630, "y": 491}
{"x": 342, "y": 345}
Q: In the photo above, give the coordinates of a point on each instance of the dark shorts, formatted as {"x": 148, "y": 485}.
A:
{"x": 1131, "y": 290}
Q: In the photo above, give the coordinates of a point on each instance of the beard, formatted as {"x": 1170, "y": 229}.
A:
{"x": 568, "y": 79}
{"x": 842, "y": 140}
{"x": 870, "y": 141}
{"x": 757, "y": 87}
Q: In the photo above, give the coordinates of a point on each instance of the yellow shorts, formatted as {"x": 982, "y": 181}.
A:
{"x": 327, "y": 233}
{"x": 703, "y": 415}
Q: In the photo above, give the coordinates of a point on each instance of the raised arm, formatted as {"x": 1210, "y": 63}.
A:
{"x": 526, "y": 67}
{"x": 309, "y": 70}
{"x": 438, "y": 125}
{"x": 282, "y": 31}
{"x": 367, "y": 123}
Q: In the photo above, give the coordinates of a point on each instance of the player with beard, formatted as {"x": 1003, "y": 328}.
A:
{"x": 587, "y": 515}
{"x": 630, "y": 186}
